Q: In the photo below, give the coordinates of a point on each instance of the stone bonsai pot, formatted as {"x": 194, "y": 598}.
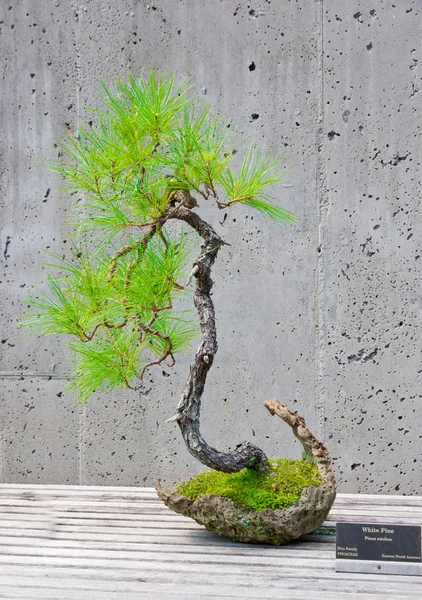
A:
{"x": 266, "y": 526}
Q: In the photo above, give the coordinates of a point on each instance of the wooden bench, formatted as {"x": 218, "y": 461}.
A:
{"x": 118, "y": 543}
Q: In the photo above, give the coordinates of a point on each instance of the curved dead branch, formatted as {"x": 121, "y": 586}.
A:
{"x": 314, "y": 449}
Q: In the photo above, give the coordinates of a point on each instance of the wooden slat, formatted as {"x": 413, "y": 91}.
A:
{"x": 71, "y": 542}
{"x": 242, "y": 585}
{"x": 193, "y": 556}
{"x": 304, "y": 547}
{"x": 284, "y": 579}
{"x": 216, "y": 591}
{"x": 377, "y": 516}
{"x": 378, "y": 499}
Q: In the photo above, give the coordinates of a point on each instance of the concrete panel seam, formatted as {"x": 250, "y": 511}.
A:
{"x": 80, "y": 426}
{"x": 322, "y": 207}
{"x": 80, "y": 414}
{"x": 2, "y": 454}
{"x": 77, "y": 67}
{"x": 18, "y": 375}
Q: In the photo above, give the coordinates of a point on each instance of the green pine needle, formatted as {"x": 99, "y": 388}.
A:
{"x": 116, "y": 296}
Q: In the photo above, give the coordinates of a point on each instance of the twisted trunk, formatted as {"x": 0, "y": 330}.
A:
{"x": 217, "y": 512}
{"x": 188, "y": 410}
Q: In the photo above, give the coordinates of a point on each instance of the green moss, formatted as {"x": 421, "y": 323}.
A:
{"x": 278, "y": 488}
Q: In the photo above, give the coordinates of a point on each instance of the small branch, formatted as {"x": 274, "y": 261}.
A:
{"x": 111, "y": 326}
{"x": 192, "y": 273}
{"x": 174, "y": 283}
{"x": 122, "y": 252}
{"x": 174, "y": 418}
{"x": 88, "y": 338}
{"x": 222, "y": 205}
{"x": 104, "y": 324}
{"x": 129, "y": 271}
{"x": 142, "y": 243}
{"x": 155, "y": 312}
{"x": 167, "y": 352}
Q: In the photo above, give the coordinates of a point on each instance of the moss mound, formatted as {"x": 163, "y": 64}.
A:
{"x": 280, "y": 487}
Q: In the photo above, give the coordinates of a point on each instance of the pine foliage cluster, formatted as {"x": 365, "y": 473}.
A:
{"x": 154, "y": 143}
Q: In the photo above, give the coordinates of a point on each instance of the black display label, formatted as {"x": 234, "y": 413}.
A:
{"x": 400, "y": 543}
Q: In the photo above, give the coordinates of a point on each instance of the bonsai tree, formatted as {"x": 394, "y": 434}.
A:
{"x": 155, "y": 155}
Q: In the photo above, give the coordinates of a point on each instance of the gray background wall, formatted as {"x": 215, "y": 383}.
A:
{"x": 327, "y": 314}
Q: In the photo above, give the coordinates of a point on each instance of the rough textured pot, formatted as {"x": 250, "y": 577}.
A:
{"x": 266, "y": 526}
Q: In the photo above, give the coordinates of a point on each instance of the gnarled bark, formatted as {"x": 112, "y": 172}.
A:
{"x": 188, "y": 410}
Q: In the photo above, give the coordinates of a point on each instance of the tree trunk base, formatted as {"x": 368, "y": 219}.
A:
{"x": 266, "y": 526}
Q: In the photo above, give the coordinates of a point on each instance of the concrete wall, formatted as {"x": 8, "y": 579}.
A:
{"x": 328, "y": 314}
